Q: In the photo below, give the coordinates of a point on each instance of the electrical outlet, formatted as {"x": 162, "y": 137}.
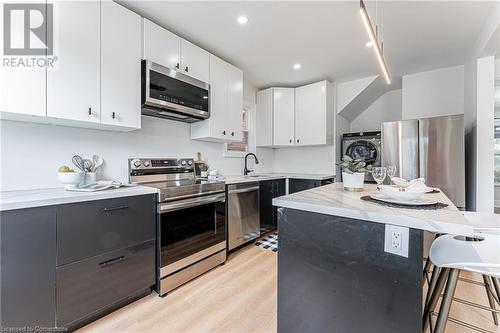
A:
{"x": 396, "y": 240}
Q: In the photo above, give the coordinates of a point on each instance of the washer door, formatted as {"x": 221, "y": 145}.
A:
{"x": 363, "y": 150}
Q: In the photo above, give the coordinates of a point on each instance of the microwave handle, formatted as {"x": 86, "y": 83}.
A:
{"x": 193, "y": 202}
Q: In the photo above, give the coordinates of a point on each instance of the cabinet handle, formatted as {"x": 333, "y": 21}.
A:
{"x": 290, "y": 140}
{"x": 232, "y": 133}
{"x": 298, "y": 141}
{"x": 112, "y": 209}
{"x": 112, "y": 261}
{"x": 224, "y": 132}
{"x": 113, "y": 115}
{"x": 90, "y": 111}
{"x": 178, "y": 66}
{"x": 187, "y": 69}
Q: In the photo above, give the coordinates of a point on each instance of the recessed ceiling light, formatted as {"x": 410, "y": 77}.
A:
{"x": 297, "y": 66}
{"x": 242, "y": 20}
{"x": 369, "y": 44}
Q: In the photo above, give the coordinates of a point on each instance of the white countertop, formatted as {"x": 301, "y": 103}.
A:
{"x": 333, "y": 200}
{"x": 55, "y": 196}
{"x": 267, "y": 176}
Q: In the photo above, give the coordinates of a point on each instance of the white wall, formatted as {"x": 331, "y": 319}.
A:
{"x": 485, "y": 134}
{"x": 347, "y": 91}
{"x": 434, "y": 93}
{"x": 31, "y": 153}
{"x": 305, "y": 160}
{"x": 387, "y": 107}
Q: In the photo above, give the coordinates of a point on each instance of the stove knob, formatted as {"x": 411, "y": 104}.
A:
{"x": 137, "y": 163}
{"x": 183, "y": 163}
{"x": 190, "y": 162}
{"x": 146, "y": 163}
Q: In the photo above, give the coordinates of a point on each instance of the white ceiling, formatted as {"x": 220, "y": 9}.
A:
{"x": 327, "y": 37}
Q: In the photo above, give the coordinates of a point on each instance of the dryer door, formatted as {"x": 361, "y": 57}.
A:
{"x": 363, "y": 150}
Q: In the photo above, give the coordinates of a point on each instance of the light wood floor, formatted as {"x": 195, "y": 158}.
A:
{"x": 240, "y": 297}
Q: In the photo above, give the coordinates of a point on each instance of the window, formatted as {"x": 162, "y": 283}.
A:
{"x": 239, "y": 149}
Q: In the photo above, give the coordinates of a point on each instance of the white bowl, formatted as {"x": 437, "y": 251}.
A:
{"x": 399, "y": 193}
{"x": 70, "y": 179}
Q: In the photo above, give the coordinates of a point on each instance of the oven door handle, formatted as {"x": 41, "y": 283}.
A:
{"x": 192, "y": 202}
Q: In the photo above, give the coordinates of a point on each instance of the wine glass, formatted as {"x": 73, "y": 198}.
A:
{"x": 391, "y": 171}
{"x": 379, "y": 174}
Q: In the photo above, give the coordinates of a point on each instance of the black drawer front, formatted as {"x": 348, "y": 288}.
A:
{"x": 96, "y": 227}
{"x": 298, "y": 185}
{"x": 87, "y": 286}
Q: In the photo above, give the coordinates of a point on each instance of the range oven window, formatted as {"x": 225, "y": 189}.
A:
{"x": 187, "y": 231}
{"x": 165, "y": 88}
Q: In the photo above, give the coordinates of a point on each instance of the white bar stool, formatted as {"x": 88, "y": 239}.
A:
{"x": 486, "y": 223}
{"x": 451, "y": 254}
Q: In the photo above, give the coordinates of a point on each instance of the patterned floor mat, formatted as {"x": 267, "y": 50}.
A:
{"x": 269, "y": 243}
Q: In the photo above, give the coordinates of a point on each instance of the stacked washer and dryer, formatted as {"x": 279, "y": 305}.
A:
{"x": 366, "y": 146}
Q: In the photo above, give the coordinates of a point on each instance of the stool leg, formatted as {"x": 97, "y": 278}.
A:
{"x": 432, "y": 284}
{"x": 427, "y": 266}
{"x": 496, "y": 284}
{"x": 444, "y": 310}
{"x": 491, "y": 300}
{"x": 436, "y": 293}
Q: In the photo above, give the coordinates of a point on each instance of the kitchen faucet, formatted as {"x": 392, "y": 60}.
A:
{"x": 246, "y": 170}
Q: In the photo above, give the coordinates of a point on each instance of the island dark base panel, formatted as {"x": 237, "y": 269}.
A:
{"x": 334, "y": 276}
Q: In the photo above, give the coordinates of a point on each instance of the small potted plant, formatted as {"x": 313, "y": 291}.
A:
{"x": 353, "y": 173}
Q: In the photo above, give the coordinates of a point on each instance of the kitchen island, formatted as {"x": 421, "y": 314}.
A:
{"x": 333, "y": 272}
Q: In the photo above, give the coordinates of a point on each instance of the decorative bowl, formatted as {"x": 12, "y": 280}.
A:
{"x": 70, "y": 179}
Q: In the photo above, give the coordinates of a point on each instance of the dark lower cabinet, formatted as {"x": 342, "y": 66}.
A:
{"x": 63, "y": 266}
{"x": 28, "y": 259}
{"x": 270, "y": 189}
{"x": 87, "y": 286}
{"x": 297, "y": 185}
{"x": 91, "y": 228}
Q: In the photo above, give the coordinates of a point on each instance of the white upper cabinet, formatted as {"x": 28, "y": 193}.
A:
{"x": 283, "y": 120}
{"x": 264, "y": 118}
{"x": 226, "y": 105}
{"x": 218, "y": 102}
{"x": 161, "y": 46}
{"x": 195, "y": 61}
{"x": 295, "y": 116}
{"x": 73, "y": 91}
{"x": 15, "y": 82}
{"x": 120, "y": 66}
{"x": 167, "y": 49}
{"x": 276, "y": 117}
{"x": 234, "y": 102}
{"x": 312, "y": 114}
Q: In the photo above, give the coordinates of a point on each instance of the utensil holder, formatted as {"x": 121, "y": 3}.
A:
{"x": 89, "y": 178}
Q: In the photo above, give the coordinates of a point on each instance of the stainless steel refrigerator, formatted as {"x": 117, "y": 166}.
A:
{"x": 431, "y": 148}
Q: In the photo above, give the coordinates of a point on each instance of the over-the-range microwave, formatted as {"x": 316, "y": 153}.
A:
{"x": 169, "y": 94}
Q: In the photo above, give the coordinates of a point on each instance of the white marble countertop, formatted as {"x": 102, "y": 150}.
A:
{"x": 267, "y": 176}
{"x": 333, "y": 200}
{"x": 55, "y": 196}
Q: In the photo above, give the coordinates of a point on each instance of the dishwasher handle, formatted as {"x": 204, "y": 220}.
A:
{"x": 244, "y": 190}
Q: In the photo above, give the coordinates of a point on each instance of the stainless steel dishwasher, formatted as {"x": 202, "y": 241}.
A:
{"x": 243, "y": 213}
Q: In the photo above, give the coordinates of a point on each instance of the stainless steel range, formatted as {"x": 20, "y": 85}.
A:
{"x": 191, "y": 227}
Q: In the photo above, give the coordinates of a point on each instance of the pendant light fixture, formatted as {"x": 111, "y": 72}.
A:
{"x": 373, "y": 38}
